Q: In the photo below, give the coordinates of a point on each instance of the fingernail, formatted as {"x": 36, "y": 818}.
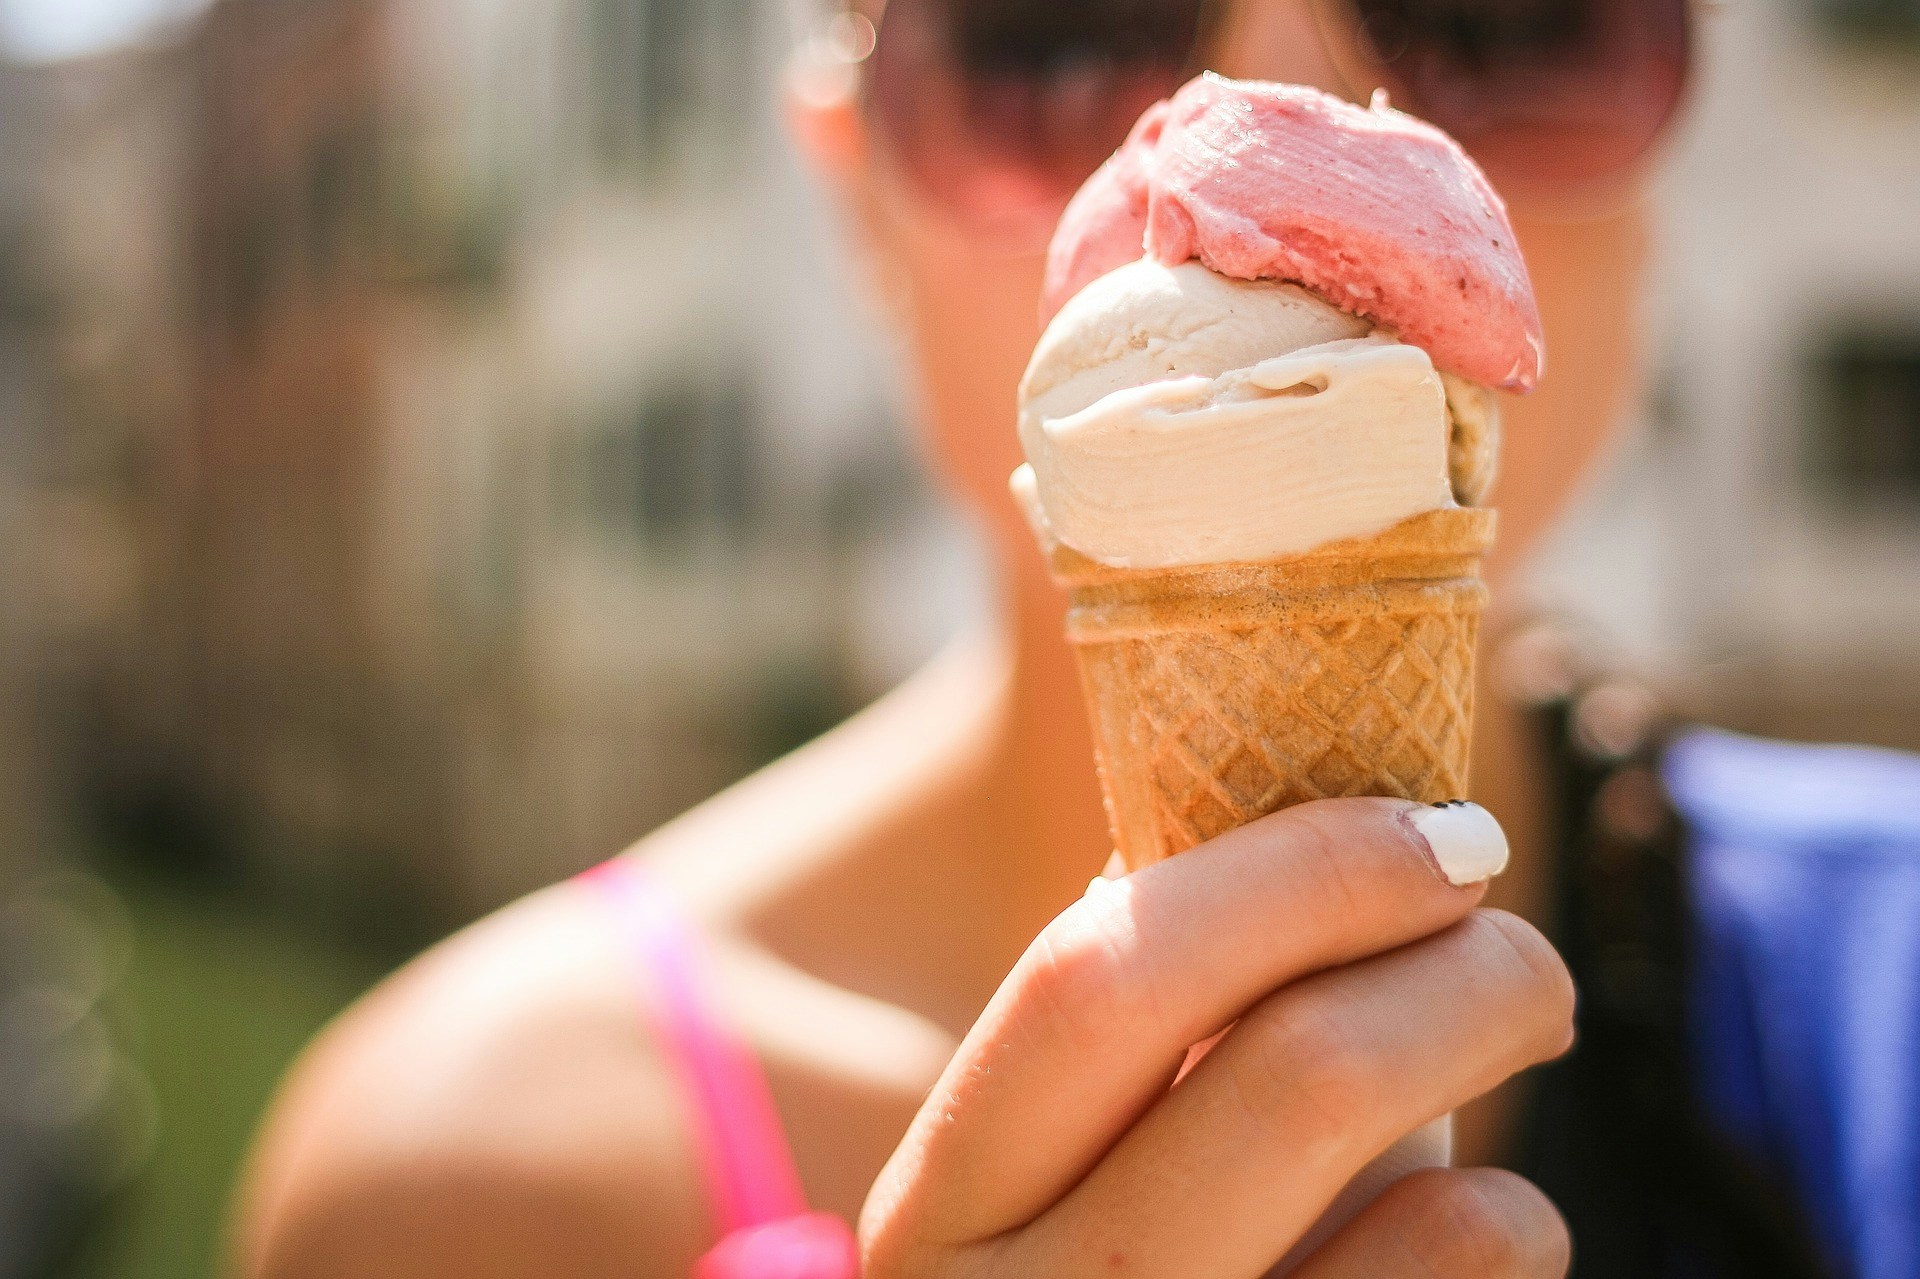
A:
{"x": 1465, "y": 840}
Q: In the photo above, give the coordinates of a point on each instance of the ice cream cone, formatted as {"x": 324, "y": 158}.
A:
{"x": 1222, "y": 693}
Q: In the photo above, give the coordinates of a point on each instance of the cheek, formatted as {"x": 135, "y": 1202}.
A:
{"x": 1588, "y": 277}
{"x": 968, "y": 317}
{"x": 974, "y": 457}
{"x": 971, "y": 318}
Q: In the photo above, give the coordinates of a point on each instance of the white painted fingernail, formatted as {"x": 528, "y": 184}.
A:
{"x": 1465, "y": 840}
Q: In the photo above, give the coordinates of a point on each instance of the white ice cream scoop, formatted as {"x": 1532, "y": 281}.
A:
{"x": 1172, "y": 416}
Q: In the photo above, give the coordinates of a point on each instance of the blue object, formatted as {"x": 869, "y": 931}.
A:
{"x": 1804, "y": 870}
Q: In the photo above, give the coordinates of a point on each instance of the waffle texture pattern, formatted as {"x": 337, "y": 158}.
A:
{"x": 1221, "y": 694}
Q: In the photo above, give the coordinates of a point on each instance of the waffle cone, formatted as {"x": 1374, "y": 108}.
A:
{"x": 1223, "y": 693}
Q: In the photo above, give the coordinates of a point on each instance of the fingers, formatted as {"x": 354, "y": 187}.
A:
{"x": 1478, "y": 1223}
{"x": 1236, "y": 1163}
{"x": 1088, "y": 1030}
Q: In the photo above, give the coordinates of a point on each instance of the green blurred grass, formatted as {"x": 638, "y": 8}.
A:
{"x": 219, "y": 997}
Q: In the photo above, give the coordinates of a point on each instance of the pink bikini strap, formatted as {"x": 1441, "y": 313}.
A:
{"x": 751, "y": 1180}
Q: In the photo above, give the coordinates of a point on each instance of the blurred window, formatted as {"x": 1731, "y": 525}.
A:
{"x": 427, "y": 226}
{"x": 612, "y": 37}
{"x": 20, "y": 298}
{"x": 249, "y": 265}
{"x": 679, "y": 467}
{"x": 730, "y": 464}
{"x": 1866, "y": 444}
{"x": 874, "y": 489}
{"x": 326, "y": 203}
{"x": 1873, "y": 20}
{"x": 671, "y": 78}
{"x": 340, "y": 192}
{"x": 669, "y": 433}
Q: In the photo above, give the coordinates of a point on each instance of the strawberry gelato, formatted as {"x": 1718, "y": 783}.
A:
{"x": 1379, "y": 213}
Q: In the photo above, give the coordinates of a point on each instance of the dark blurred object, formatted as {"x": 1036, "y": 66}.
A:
{"x": 77, "y": 1119}
{"x": 64, "y": 1084}
{"x": 1615, "y": 1132}
{"x": 1864, "y": 429}
{"x": 1894, "y": 22}
{"x": 220, "y": 994}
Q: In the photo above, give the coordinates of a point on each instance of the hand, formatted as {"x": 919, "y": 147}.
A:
{"x": 1366, "y": 996}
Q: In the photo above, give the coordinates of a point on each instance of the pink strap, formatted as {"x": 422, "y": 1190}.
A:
{"x": 751, "y": 1179}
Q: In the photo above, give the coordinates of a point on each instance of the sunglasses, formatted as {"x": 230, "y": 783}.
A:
{"x": 998, "y": 110}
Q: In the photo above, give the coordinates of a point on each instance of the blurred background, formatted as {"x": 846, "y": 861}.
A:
{"x": 408, "y": 498}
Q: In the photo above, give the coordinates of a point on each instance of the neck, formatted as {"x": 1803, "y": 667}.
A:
{"x": 1046, "y": 828}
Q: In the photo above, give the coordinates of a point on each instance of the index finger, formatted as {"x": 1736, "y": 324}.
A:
{"x": 1089, "y": 1028}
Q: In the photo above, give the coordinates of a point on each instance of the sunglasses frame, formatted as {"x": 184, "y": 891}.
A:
{"x": 846, "y": 39}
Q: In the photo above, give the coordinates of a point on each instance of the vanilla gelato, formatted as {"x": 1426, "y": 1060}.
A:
{"x": 1172, "y": 416}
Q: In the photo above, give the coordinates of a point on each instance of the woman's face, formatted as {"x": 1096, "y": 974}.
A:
{"x": 968, "y": 303}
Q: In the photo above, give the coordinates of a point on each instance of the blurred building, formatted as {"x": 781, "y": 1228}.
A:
{"x": 71, "y": 1104}
{"x": 23, "y": 410}
{"x": 25, "y": 1185}
{"x": 1761, "y": 541}
{"x": 91, "y": 377}
{"x": 510, "y": 467}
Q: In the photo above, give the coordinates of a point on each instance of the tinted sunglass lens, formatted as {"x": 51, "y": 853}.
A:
{"x": 1001, "y": 108}
{"x": 1477, "y": 37}
{"x": 1000, "y": 39}
{"x": 1055, "y": 85}
{"x": 1553, "y": 89}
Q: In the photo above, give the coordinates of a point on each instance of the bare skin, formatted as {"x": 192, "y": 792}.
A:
{"x": 496, "y": 1109}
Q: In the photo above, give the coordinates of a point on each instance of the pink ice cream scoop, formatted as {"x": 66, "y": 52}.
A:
{"x": 1381, "y": 214}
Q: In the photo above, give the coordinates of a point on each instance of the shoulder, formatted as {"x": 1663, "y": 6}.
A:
{"x": 498, "y": 1106}
{"x": 494, "y": 1109}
